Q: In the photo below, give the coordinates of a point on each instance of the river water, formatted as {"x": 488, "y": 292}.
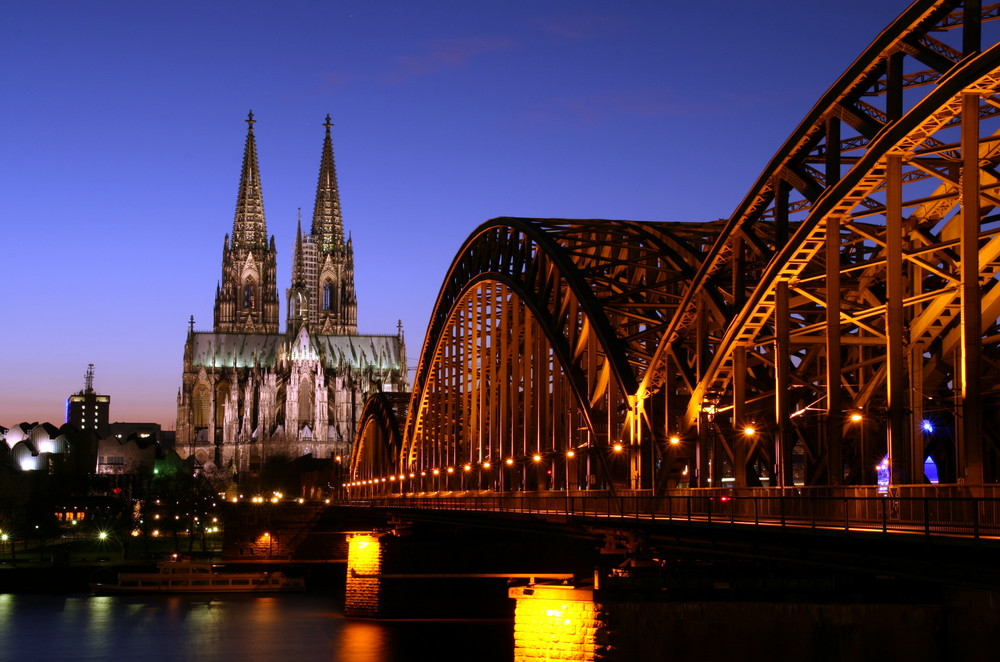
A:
{"x": 294, "y": 627}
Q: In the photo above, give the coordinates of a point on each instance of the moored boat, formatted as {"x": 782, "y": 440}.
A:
{"x": 197, "y": 577}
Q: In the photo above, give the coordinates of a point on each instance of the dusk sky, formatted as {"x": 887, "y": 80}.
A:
{"x": 122, "y": 131}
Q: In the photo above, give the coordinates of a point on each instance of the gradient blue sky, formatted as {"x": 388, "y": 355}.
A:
{"x": 121, "y": 138}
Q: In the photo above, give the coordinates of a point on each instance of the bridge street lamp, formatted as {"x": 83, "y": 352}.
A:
{"x": 536, "y": 467}
{"x": 486, "y": 467}
{"x": 508, "y": 470}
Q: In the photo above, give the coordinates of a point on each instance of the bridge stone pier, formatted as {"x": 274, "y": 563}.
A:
{"x": 409, "y": 571}
{"x": 557, "y": 623}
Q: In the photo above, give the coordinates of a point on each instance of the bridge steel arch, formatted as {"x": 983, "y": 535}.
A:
{"x": 379, "y": 437}
{"x": 861, "y": 273}
{"x": 858, "y": 277}
{"x": 535, "y": 348}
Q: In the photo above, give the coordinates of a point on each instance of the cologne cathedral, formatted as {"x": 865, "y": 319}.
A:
{"x": 250, "y": 392}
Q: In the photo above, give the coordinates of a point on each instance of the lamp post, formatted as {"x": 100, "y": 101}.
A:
{"x": 858, "y": 418}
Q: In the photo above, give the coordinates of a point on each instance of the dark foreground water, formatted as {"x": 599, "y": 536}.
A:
{"x": 293, "y": 628}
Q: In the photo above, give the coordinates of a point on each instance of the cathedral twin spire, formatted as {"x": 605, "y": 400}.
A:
{"x": 327, "y": 225}
{"x": 249, "y": 227}
{"x": 322, "y": 279}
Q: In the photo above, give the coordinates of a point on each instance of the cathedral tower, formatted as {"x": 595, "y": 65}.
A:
{"x": 246, "y": 300}
{"x": 299, "y": 298}
{"x": 335, "y": 304}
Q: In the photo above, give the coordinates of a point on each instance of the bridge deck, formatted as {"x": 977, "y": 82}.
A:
{"x": 964, "y": 517}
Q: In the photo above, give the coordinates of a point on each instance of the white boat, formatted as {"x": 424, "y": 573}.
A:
{"x": 197, "y": 577}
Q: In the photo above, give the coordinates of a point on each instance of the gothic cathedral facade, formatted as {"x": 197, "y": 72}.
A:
{"x": 250, "y": 392}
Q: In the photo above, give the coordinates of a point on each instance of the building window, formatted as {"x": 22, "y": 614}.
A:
{"x": 202, "y": 405}
{"x": 249, "y": 295}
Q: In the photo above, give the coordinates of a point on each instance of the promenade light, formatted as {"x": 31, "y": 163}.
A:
{"x": 675, "y": 440}
{"x": 437, "y": 472}
{"x": 103, "y": 535}
{"x": 856, "y": 416}
{"x": 570, "y": 454}
{"x": 749, "y": 431}
{"x": 467, "y": 468}
{"x": 618, "y": 448}
{"x": 411, "y": 474}
{"x": 451, "y": 470}
{"x": 510, "y": 461}
{"x": 486, "y": 465}
{"x": 537, "y": 458}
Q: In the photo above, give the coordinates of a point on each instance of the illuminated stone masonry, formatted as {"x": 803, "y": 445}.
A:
{"x": 364, "y": 564}
{"x": 250, "y": 392}
{"x": 556, "y": 623}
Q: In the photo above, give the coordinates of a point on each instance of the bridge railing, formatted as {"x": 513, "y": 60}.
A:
{"x": 923, "y": 513}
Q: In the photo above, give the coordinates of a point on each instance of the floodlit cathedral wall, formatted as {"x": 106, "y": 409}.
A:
{"x": 249, "y": 392}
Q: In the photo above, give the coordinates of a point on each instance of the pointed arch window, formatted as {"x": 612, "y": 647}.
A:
{"x": 202, "y": 405}
{"x": 327, "y": 295}
{"x": 221, "y": 396}
{"x": 249, "y": 294}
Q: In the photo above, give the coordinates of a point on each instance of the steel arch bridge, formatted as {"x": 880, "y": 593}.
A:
{"x": 847, "y": 311}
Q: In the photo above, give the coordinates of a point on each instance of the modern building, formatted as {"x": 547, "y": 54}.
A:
{"x": 42, "y": 447}
{"x": 87, "y": 409}
{"x": 129, "y": 447}
{"x": 250, "y": 391}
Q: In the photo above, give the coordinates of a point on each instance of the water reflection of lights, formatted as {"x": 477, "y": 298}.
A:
{"x": 362, "y": 642}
